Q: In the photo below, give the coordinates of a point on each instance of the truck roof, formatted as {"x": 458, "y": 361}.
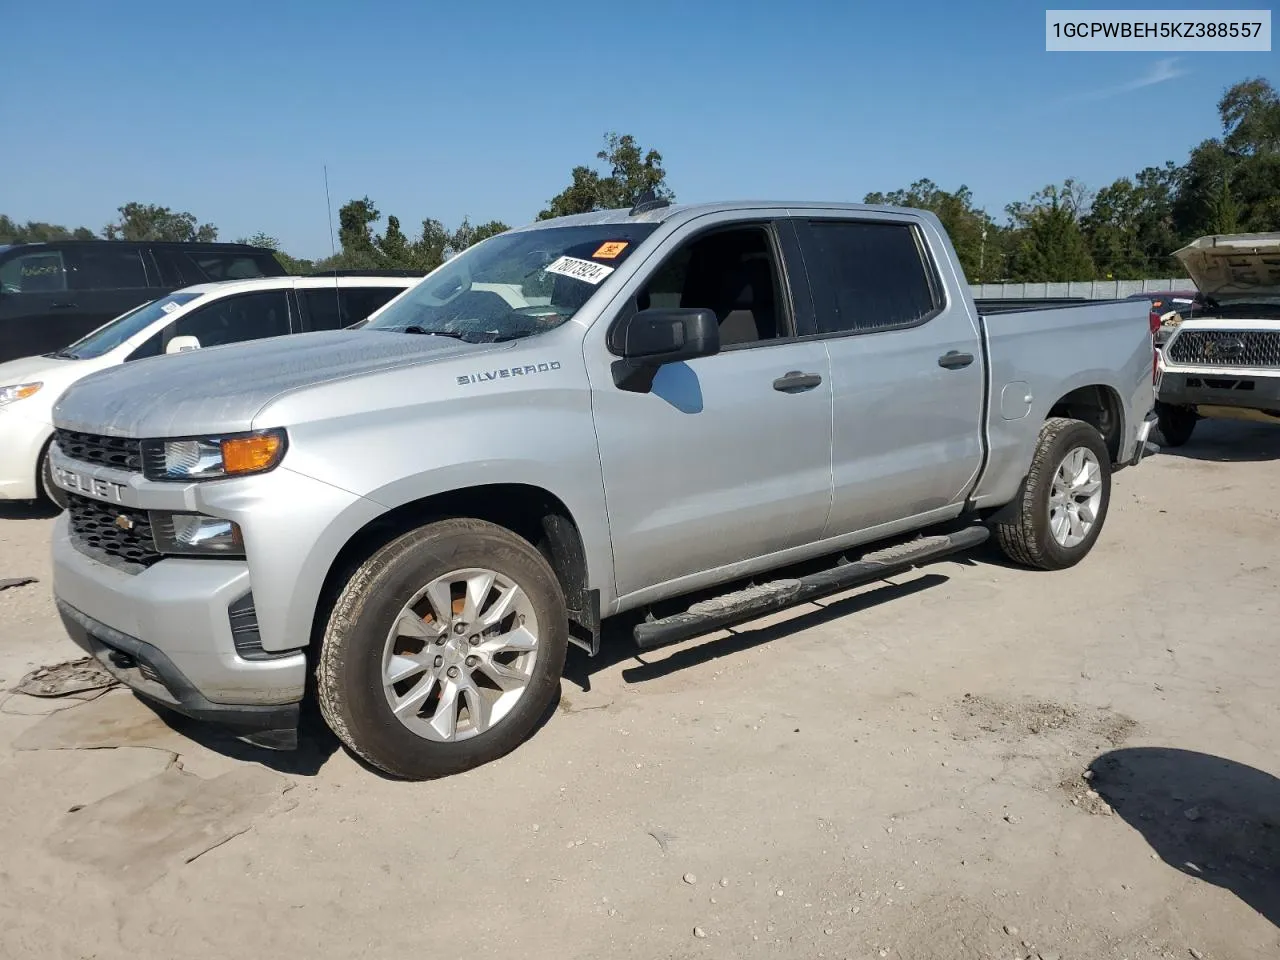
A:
{"x": 689, "y": 210}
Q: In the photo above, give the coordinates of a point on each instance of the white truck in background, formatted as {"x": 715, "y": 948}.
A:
{"x": 1224, "y": 363}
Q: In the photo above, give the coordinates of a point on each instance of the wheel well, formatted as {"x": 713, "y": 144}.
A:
{"x": 529, "y": 512}
{"x": 1096, "y": 405}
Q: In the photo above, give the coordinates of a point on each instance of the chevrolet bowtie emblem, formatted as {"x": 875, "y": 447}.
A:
{"x": 124, "y": 522}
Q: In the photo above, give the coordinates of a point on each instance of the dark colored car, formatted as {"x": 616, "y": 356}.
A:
{"x": 52, "y": 294}
{"x": 1185, "y": 303}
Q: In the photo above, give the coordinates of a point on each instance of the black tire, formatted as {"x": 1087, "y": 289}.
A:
{"x": 1026, "y": 538}
{"x": 349, "y": 669}
{"x": 1176, "y": 423}
{"x": 50, "y": 493}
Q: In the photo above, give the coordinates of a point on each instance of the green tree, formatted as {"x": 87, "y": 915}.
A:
{"x": 292, "y": 265}
{"x": 1224, "y": 212}
{"x": 467, "y": 236}
{"x": 1130, "y": 227}
{"x": 969, "y": 227}
{"x": 393, "y": 246}
{"x": 633, "y": 172}
{"x": 1235, "y": 179}
{"x": 355, "y": 222}
{"x": 147, "y": 221}
{"x": 34, "y": 231}
{"x": 1050, "y": 246}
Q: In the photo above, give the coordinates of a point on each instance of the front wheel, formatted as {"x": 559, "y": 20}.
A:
{"x": 1176, "y": 423}
{"x": 50, "y": 492}
{"x": 1065, "y": 499}
{"x": 444, "y": 650}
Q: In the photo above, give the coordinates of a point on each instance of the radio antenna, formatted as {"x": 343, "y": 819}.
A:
{"x": 333, "y": 247}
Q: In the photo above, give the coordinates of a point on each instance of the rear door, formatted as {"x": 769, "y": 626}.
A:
{"x": 106, "y": 280}
{"x": 330, "y": 308}
{"x": 906, "y": 369}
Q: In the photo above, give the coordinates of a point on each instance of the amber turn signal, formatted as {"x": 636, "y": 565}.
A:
{"x": 251, "y": 454}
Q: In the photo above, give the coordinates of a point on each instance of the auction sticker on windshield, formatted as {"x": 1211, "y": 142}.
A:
{"x": 584, "y": 270}
{"x": 610, "y": 250}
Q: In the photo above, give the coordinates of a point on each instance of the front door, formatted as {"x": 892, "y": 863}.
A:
{"x": 906, "y": 370}
{"x": 728, "y": 458}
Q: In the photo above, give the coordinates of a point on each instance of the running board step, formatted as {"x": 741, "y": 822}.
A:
{"x": 708, "y": 615}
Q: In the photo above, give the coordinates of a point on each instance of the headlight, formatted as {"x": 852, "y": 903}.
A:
{"x": 195, "y": 535}
{"x": 212, "y": 458}
{"x": 18, "y": 391}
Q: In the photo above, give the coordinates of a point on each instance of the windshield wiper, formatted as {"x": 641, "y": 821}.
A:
{"x": 64, "y": 354}
{"x": 456, "y": 335}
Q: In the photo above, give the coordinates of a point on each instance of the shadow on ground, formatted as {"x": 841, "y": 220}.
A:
{"x": 1227, "y": 441}
{"x": 1206, "y": 816}
{"x": 316, "y": 742}
{"x": 25, "y": 510}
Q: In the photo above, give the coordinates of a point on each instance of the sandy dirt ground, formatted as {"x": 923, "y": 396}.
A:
{"x": 969, "y": 761}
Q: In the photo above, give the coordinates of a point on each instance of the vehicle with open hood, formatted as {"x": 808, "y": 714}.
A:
{"x": 1224, "y": 362}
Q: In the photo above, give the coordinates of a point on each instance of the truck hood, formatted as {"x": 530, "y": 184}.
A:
{"x": 1234, "y": 265}
{"x": 221, "y": 389}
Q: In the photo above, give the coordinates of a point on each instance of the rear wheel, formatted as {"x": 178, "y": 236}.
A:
{"x": 1065, "y": 499}
{"x": 444, "y": 651}
{"x": 1176, "y": 423}
{"x": 50, "y": 492}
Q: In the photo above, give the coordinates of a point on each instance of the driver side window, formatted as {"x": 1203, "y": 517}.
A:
{"x": 733, "y": 272}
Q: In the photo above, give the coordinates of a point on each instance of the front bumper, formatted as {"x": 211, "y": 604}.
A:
{"x": 166, "y": 634}
{"x": 22, "y": 439}
{"x": 1212, "y": 387}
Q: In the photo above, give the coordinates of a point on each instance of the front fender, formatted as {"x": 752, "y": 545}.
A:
{"x": 536, "y": 431}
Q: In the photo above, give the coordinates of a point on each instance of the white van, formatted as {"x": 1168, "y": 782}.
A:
{"x": 205, "y": 315}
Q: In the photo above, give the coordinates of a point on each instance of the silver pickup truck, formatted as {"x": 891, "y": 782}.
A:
{"x": 659, "y": 411}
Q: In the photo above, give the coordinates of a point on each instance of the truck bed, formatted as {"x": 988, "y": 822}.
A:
{"x": 1027, "y": 351}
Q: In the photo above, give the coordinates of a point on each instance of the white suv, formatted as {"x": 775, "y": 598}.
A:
{"x": 205, "y": 315}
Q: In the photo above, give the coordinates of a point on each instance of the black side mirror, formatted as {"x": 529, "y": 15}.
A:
{"x": 648, "y": 339}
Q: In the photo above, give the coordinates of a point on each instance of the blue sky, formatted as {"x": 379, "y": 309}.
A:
{"x": 230, "y": 110}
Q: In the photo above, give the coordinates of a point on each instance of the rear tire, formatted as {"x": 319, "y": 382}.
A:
{"x": 384, "y": 624}
{"x": 1176, "y": 423}
{"x": 1064, "y": 501}
{"x": 50, "y": 493}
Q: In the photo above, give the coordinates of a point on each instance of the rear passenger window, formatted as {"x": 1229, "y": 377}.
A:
{"x": 42, "y": 272}
{"x": 868, "y": 276}
{"x": 227, "y": 266}
{"x": 323, "y": 312}
{"x": 359, "y": 302}
{"x": 107, "y": 267}
{"x": 329, "y": 309}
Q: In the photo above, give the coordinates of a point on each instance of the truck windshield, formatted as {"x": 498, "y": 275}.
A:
{"x": 115, "y": 332}
{"x": 513, "y": 285}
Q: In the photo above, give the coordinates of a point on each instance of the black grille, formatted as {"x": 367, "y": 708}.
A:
{"x": 118, "y": 452}
{"x": 1227, "y": 348}
{"x": 97, "y": 531}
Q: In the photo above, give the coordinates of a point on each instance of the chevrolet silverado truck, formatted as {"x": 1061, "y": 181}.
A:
{"x": 1224, "y": 363}
{"x": 692, "y": 415}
